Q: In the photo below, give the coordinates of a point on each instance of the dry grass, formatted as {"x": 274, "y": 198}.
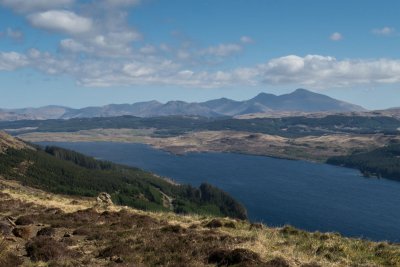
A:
{"x": 6, "y": 141}
{"x": 124, "y": 236}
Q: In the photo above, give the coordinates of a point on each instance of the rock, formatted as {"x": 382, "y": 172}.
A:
{"x": 104, "y": 199}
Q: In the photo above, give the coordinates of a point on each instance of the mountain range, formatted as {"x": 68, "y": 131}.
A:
{"x": 300, "y": 100}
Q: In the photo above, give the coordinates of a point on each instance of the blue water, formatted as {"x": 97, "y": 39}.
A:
{"x": 307, "y": 195}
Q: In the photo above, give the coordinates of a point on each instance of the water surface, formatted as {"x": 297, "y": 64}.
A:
{"x": 307, "y": 195}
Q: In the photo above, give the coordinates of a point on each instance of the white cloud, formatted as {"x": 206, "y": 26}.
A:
{"x": 246, "y": 40}
{"x": 35, "y": 5}
{"x": 12, "y": 60}
{"x": 73, "y": 46}
{"x": 33, "y": 53}
{"x": 62, "y": 21}
{"x": 313, "y": 71}
{"x": 138, "y": 70}
{"x": 148, "y": 49}
{"x": 323, "y": 71}
{"x": 336, "y": 36}
{"x": 105, "y": 33}
{"x": 111, "y": 44}
{"x": 385, "y": 31}
{"x": 222, "y": 50}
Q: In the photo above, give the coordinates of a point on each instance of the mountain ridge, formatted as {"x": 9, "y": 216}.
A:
{"x": 300, "y": 100}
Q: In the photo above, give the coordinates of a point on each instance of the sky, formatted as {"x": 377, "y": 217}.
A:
{"x": 81, "y": 53}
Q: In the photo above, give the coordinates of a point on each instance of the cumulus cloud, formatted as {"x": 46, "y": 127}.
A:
{"x": 109, "y": 44}
{"x": 12, "y": 60}
{"x": 325, "y": 71}
{"x": 313, "y": 71}
{"x": 336, "y": 36}
{"x": 61, "y": 20}
{"x": 71, "y": 45}
{"x": 35, "y": 5}
{"x": 385, "y": 31}
{"x": 105, "y": 34}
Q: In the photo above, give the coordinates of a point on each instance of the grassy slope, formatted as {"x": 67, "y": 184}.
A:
{"x": 103, "y": 238}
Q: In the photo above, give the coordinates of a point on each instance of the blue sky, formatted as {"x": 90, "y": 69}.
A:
{"x": 81, "y": 53}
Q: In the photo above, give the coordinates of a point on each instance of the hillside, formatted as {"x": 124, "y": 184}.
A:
{"x": 62, "y": 171}
{"x": 42, "y": 113}
{"x": 380, "y": 162}
{"x": 300, "y": 100}
{"x": 42, "y": 229}
{"x": 9, "y": 142}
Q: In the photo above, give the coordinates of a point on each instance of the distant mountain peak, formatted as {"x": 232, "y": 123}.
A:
{"x": 263, "y": 96}
{"x": 300, "y": 100}
{"x": 302, "y": 90}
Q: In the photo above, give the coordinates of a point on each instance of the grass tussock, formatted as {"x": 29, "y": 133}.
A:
{"x": 7, "y": 258}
